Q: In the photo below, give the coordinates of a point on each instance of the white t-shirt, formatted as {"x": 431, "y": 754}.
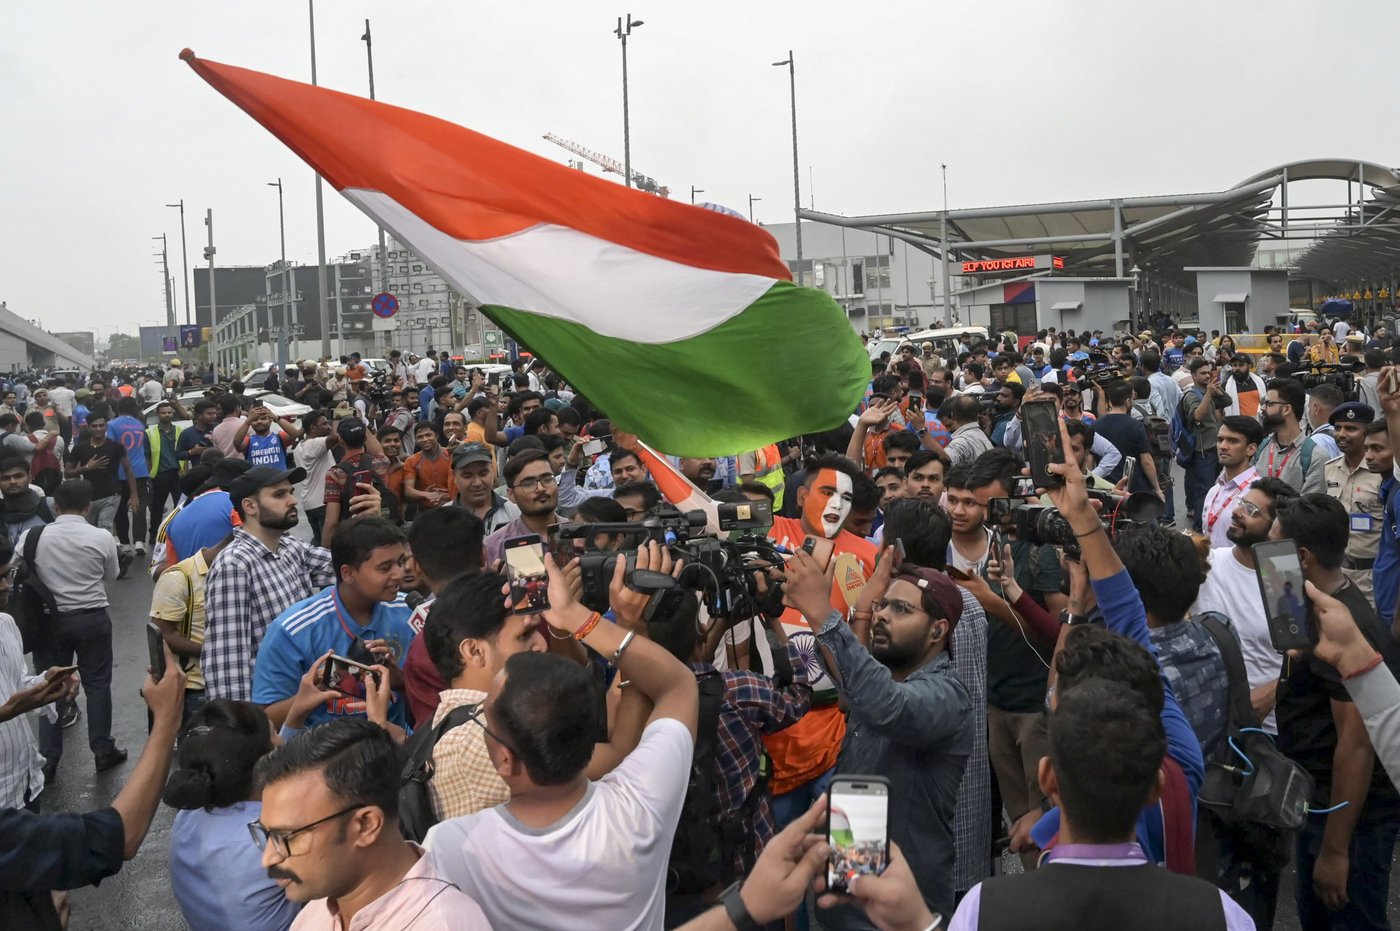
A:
{"x": 313, "y": 456}
{"x": 423, "y": 370}
{"x": 1233, "y": 589}
{"x": 602, "y": 864}
{"x": 151, "y": 391}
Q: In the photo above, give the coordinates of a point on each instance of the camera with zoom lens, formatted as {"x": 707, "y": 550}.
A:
{"x": 1043, "y": 525}
{"x": 1341, "y": 374}
{"x": 723, "y": 570}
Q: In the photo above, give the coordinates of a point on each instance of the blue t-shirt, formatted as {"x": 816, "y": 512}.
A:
{"x": 1385, "y": 575}
{"x": 304, "y": 632}
{"x": 203, "y": 521}
{"x": 130, "y": 432}
{"x": 266, "y": 449}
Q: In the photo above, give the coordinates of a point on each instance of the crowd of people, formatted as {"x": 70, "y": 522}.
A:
{"x": 368, "y": 729}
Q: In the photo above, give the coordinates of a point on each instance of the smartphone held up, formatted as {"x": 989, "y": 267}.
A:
{"x": 1286, "y": 605}
{"x": 529, "y": 582}
{"x": 857, "y": 830}
{"x": 1044, "y": 445}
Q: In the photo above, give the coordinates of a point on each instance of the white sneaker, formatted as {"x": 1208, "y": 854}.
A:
{"x": 141, "y": 547}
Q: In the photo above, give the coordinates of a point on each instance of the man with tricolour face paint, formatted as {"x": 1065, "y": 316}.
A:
{"x": 804, "y": 755}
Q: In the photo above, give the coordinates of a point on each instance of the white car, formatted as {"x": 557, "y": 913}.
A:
{"x": 279, "y": 405}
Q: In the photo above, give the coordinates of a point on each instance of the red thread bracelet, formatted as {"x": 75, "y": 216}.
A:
{"x": 588, "y": 626}
{"x": 1375, "y": 661}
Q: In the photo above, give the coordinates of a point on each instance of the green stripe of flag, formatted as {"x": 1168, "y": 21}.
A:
{"x": 786, "y": 365}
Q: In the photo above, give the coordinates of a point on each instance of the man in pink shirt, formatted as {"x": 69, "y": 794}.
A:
{"x": 329, "y": 835}
{"x": 231, "y": 414}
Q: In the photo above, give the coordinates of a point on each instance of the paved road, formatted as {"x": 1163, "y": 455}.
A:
{"x": 139, "y": 896}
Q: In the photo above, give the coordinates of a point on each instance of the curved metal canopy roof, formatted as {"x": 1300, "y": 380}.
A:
{"x": 1171, "y": 232}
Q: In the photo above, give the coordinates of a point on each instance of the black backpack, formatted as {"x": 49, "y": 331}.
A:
{"x": 1257, "y": 796}
{"x": 31, "y": 601}
{"x": 697, "y": 856}
{"x": 416, "y": 814}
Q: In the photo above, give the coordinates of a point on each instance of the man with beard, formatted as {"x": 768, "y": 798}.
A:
{"x": 531, "y": 487}
{"x": 923, "y": 476}
{"x": 23, "y": 505}
{"x": 804, "y": 755}
{"x": 1236, "y": 444}
{"x": 1200, "y": 407}
{"x": 1359, "y": 490}
{"x": 1244, "y": 388}
{"x": 1287, "y": 453}
{"x": 701, "y": 472}
{"x": 261, "y": 571}
{"x": 911, "y": 719}
{"x": 347, "y": 772}
{"x": 1008, "y": 402}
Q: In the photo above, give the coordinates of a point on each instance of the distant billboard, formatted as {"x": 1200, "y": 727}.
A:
{"x": 190, "y": 337}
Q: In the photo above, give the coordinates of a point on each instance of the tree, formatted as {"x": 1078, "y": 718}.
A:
{"x": 122, "y": 346}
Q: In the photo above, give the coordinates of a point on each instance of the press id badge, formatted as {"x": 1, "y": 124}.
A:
{"x": 1362, "y": 523}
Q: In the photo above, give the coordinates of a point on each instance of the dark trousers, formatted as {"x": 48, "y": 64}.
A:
{"x": 126, "y": 533}
{"x": 1368, "y": 882}
{"x": 88, "y": 634}
{"x": 164, "y": 487}
{"x": 317, "y": 518}
{"x": 1164, "y": 477}
{"x": 1253, "y": 886}
{"x": 1201, "y": 473}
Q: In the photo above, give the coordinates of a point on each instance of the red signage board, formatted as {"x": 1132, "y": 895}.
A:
{"x": 1016, "y": 264}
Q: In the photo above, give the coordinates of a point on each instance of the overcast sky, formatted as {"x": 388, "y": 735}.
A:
{"x": 1026, "y": 101}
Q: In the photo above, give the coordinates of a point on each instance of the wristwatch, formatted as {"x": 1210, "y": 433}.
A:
{"x": 1071, "y": 619}
{"x": 735, "y": 908}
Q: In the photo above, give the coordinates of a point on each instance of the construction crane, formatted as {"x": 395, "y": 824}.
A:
{"x": 639, "y": 180}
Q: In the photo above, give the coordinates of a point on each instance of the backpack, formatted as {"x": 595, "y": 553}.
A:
{"x": 1183, "y": 433}
{"x": 416, "y": 813}
{"x": 697, "y": 857}
{"x": 1159, "y": 430}
{"x": 1257, "y": 796}
{"x": 30, "y": 599}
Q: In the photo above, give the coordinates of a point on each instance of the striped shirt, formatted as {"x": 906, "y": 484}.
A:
{"x": 21, "y": 766}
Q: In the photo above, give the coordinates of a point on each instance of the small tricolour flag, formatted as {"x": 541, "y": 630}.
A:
{"x": 681, "y": 323}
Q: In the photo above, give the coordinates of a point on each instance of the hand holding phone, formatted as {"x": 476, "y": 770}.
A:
{"x": 155, "y": 647}
{"x": 529, "y": 582}
{"x": 344, "y": 675}
{"x": 1043, "y": 441}
{"x": 1286, "y": 605}
{"x": 857, "y": 829}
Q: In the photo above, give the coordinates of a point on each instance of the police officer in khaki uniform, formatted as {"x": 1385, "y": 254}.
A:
{"x": 1359, "y": 490}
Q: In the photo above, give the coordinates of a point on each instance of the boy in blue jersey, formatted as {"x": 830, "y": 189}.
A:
{"x": 262, "y": 445}
{"x": 363, "y": 617}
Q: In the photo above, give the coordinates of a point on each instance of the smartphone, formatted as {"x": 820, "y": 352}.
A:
{"x": 529, "y": 583}
{"x": 820, "y": 549}
{"x": 594, "y": 447}
{"x": 155, "y": 647}
{"x": 344, "y": 675}
{"x": 63, "y": 672}
{"x": 1129, "y": 467}
{"x": 857, "y": 829}
{"x": 899, "y": 556}
{"x": 1041, "y": 430}
{"x": 494, "y": 378}
{"x": 1023, "y": 486}
{"x": 1285, "y": 604}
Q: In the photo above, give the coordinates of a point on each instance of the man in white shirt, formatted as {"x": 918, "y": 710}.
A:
{"x": 1232, "y": 588}
{"x": 1236, "y": 444}
{"x": 150, "y": 390}
{"x": 424, "y": 369}
{"x": 564, "y": 847}
{"x": 313, "y": 453}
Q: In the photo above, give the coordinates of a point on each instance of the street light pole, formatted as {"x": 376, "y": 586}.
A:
{"x": 185, "y": 258}
{"x": 383, "y": 249}
{"x": 950, "y": 316}
{"x": 796, "y": 172}
{"x": 286, "y": 288}
{"x": 751, "y": 202}
{"x": 324, "y": 304}
{"x": 165, "y": 276}
{"x": 623, "y": 30}
{"x": 213, "y": 305}
{"x": 695, "y": 190}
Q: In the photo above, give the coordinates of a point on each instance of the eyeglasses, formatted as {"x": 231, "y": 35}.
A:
{"x": 281, "y": 841}
{"x": 1250, "y": 509}
{"x": 1268, "y": 403}
{"x": 898, "y": 607}
{"x": 534, "y": 484}
{"x": 476, "y": 717}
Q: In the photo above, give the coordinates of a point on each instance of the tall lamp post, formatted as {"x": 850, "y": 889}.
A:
{"x": 625, "y": 25}
{"x": 383, "y": 253}
{"x": 796, "y": 174}
{"x": 209, "y": 251}
{"x": 286, "y": 288}
{"x": 321, "y": 297}
{"x": 695, "y": 190}
{"x": 184, "y": 258}
{"x": 1136, "y": 322}
{"x": 752, "y": 199}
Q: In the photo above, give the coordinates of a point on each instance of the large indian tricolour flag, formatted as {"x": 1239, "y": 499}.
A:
{"x": 681, "y": 323}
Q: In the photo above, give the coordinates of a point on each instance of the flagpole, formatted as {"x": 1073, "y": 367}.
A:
{"x": 383, "y": 248}
{"x": 323, "y": 304}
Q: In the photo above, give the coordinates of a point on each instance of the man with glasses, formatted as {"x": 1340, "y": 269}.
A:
{"x": 1201, "y": 405}
{"x": 330, "y": 837}
{"x": 1288, "y": 453}
{"x": 363, "y": 617}
{"x": 910, "y": 716}
{"x": 530, "y": 485}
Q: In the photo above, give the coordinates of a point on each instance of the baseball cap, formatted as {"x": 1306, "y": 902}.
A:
{"x": 938, "y": 589}
{"x": 351, "y": 432}
{"x": 258, "y": 478}
{"x": 224, "y": 471}
{"x": 468, "y": 453}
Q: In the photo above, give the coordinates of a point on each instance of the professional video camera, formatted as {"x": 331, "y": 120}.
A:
{"x": 1099, "y": 368}
{"x": 1341, "y": 374}
{"x": 1040, "y": 524}
{"x": 724, "y": 571}
{"x": 381, "y": 386}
